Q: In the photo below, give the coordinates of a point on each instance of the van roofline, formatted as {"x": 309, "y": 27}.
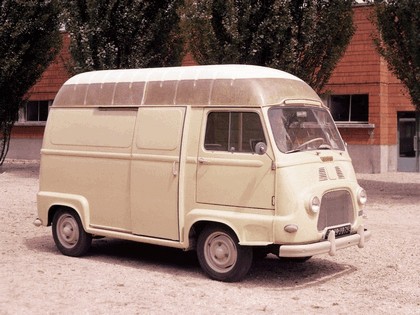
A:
{"x": 217, "y": 85}
{"x": 231, "y": 72}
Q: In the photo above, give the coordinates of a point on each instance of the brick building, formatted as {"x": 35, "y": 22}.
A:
{"x": 371, "y": 107}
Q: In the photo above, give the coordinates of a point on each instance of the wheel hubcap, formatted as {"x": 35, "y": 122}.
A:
{"x": 220, "y": 252}
{"x": 67, "y": 231}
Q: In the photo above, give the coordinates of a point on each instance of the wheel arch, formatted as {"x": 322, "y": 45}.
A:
{"x": 251, "y": 229}
{"x": 54, "y": 208}
{"x": 52, "y": 202}
{"x": 198, "y": 226}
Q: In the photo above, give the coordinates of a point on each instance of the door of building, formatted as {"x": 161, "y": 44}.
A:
{"x": 408, "y": 141}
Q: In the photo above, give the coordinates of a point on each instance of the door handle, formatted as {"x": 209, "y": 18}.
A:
{"x": 202, "y": 160}
{"x": 174, "y": 169}
{"x": 415, "y": 144}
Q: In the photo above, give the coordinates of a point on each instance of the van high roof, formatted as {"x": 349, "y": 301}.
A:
{"x": 214, "y": 85}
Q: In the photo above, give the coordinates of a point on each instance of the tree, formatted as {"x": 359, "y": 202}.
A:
{"x": 304, "y": 37}
{"x": 112, "y": 34}
{"x": 398, "y": 22}
{"x": 29, "y": 41}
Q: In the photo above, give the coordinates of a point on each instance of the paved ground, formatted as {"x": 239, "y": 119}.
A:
{"x": 119, "y": 277}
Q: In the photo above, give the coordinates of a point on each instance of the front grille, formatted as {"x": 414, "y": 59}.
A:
{"x": 336, "y": 209}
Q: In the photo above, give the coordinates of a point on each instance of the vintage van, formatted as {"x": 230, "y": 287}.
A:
{"x": 230, "y": 160}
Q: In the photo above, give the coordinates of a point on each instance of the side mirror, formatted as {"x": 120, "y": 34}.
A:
{"x": 260, "y": 148}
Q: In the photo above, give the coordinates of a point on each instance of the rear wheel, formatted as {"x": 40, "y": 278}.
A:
{"x": 221, "y": 256}
{"x": 68, "y": 233}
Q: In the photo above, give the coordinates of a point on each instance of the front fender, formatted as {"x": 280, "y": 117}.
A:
{"x": 252, "y": 229}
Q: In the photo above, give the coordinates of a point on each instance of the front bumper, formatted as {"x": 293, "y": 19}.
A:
{"x": 330, "y": 246}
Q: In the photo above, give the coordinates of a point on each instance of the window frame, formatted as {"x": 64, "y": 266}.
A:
{"x": 349, "y": 109}
{"x": 23, "y": 113}
{"x": 229, "y": 129}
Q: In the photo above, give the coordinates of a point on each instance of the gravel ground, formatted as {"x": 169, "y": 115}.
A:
{"x": 119, "y": 277}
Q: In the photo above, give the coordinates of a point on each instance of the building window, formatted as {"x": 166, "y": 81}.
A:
{"x": 35, "y": 111}
{"x": 349, "y": 108}
{"x": 233, "y": 132}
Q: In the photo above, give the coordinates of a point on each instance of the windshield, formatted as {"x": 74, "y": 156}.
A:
{"x": 304, "y": 128}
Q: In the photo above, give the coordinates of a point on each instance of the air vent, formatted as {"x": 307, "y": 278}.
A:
{"x": 339, "y": 172}
{"x": 322, "y": 174}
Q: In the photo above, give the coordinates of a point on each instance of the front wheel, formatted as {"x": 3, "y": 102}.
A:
{"x": 221, "y": 256}
{"x": 68, "y": 233}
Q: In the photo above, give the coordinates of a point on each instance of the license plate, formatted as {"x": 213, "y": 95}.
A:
{"x": 339, "y": 231}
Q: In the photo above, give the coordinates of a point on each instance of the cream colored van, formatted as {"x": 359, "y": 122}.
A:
{"x": 232, "y": 161}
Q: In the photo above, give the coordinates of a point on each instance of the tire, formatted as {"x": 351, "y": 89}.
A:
{"x": 68, "y": 233}
{"x": 220, "y": 255}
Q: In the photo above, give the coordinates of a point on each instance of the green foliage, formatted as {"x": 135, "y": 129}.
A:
{"x": 29, "y": 41}
{"x": 303, "y": 37}
{"x": 398, "y": 23}
{"x": 112, "y": 34}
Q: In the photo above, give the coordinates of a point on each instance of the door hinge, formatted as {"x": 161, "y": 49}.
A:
{"x": 273, "y": 201}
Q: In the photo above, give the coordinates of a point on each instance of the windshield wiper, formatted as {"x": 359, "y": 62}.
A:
{"x": 293, "y": 151}
{"x": 324, "y": 147}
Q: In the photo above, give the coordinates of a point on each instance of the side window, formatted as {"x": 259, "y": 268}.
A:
{"x": 233, "y": 131}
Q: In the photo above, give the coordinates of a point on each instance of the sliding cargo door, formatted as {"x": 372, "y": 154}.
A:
{"x": 155, "y": 172}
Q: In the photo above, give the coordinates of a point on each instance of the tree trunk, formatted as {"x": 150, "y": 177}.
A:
{"x": 5, "y": 132}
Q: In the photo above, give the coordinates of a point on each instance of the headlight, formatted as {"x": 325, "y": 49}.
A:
{"x": 361, "y": 196}
{"x": 314, "y": 204}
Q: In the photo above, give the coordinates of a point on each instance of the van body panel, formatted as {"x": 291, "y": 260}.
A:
{"x": 90, "y": 160}
{"x": 93, "y": 179}
{"x": 238, "y": 183}
{"x": 90, "y": 129}
{"x": 124, "y": 235}
{"x": 292, "y": 206}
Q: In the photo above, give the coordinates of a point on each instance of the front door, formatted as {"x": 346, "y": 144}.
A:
{"x": 408, "y": 141}
{"x": 230, "y": 172}
{"x": 155, "y": 172}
